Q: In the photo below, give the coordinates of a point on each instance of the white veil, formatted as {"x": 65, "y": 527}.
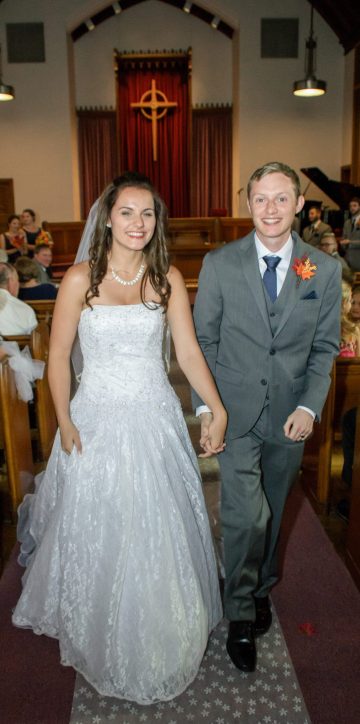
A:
{"x": 82, "y": 255}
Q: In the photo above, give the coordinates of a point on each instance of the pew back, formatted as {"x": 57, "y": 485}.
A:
{"x": 45, "y": 411}
{"x": 16, "y": 437}
{"x": 43, "y": 308}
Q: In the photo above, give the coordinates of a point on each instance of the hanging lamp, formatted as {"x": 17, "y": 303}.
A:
{"x": 7, "y": 92}
{"x": 310, "y": 86}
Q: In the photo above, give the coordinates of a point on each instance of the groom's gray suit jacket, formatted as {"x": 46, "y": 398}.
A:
{"x": 261, "y": 353}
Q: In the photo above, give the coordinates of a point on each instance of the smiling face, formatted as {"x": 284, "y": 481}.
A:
{"x": 355, "y": 306}
{"x": 27, "y": 218}
{"x": 44, "y": 257}
{"x": 133, "y": 218}
{"x": 273, "y": 205}
{"x": 14, "y": 226}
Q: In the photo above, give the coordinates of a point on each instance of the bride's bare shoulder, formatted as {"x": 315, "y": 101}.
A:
{"x": 77, "y": 277}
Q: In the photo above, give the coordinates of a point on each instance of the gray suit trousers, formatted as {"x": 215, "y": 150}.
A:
{"x": 257, "y": 472}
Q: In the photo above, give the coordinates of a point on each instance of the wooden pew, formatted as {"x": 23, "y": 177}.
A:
{"x": 43, "y": 308}
{"x": 344, "y": 393}
{"x": 45, "y": 411}
{"x": 189, "y": 238}
{"x": 16, "y": 437}
{"x": 352, "y": 553}
{"x": 347, "y": 393}
{"x": 21, "y": 339}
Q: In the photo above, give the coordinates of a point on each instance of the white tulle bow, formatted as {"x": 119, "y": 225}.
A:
{"x": 26, "y": 369}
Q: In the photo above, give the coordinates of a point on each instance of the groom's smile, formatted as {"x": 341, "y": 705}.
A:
{"x": 273, "y": 205}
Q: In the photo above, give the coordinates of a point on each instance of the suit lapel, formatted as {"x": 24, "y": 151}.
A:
{"x": 251, "y": 271}
{"x": 290, "y": 290}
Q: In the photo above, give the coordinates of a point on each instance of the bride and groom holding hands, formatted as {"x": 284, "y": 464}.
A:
{"x": 121, "y": 500}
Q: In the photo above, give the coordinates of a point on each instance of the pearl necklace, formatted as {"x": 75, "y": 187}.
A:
{"x": 130, "y": 282}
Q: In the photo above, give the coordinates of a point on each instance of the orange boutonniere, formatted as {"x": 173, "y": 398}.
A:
{"x": 304, "y": 269}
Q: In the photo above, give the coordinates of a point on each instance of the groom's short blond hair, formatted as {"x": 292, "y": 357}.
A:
{"x": 275, "y": 167}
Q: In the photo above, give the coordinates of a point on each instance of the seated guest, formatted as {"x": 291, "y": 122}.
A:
{"x": 13, "y": 241}
{"x": 350, "y": 332}
{"x": 351, "y": 234}
{"x": 16, "y": 317}
{"x": 328, "y": 244}
{"x": 43, "y": 259}
{"x": 30, "y": 286}
{"x": 313, "y": 233}
{"x": 355, "y": 305}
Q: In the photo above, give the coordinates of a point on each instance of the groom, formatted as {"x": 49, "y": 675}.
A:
{"x": 267, "y": 317}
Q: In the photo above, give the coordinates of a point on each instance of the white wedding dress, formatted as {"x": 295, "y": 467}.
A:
{"x": 123, "y": 572}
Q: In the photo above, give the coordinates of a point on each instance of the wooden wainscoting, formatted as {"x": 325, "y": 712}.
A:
{"x": 189, "y": 240}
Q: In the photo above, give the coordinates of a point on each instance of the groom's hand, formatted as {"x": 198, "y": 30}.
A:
{"x": 299, "y": 425}
{"x": 205, "y": 419}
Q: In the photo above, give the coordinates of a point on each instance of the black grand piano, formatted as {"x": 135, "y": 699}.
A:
{"x": 339, "y": 192}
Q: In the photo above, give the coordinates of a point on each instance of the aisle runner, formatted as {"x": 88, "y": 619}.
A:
{"x": 221, "y": 694}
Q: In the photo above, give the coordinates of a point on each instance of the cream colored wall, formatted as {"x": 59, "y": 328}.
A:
{"x": 37, "y": 145}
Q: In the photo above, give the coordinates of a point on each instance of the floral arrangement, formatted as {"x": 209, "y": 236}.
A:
{"x": 304, "y": 268}
{"x": 44, "y": 237}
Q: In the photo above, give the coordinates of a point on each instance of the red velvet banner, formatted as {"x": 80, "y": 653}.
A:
{"x": 170, "y": 173}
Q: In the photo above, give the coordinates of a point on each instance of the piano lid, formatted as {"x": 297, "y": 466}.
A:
{"x": 338, "y": 191}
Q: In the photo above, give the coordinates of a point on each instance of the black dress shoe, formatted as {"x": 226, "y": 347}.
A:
{"x": 240, "y": 645}
{"x": 263, "y": 619}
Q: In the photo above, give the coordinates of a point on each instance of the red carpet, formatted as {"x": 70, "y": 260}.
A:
{"x": 317, "y": 589}
{"x": 34, "y": 687}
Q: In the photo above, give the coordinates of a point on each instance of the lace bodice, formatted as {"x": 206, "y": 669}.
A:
{"x": 122, "y": 350}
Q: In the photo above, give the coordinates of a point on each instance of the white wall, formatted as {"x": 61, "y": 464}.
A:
{"x": 36, "y": 132}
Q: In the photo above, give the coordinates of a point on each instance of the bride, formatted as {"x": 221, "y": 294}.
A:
{"x": 120, "y": 563}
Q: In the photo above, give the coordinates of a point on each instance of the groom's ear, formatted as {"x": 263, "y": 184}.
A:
{"x": 300, "y": 203}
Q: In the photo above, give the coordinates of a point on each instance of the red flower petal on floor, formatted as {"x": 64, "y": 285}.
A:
{"x": 307, "y": 628}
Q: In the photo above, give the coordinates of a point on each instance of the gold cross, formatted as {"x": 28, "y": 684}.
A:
{"x": 154, "y": 104}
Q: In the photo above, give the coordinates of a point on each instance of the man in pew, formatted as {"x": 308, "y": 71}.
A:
{"x": 43, "y": 259}
{"x": 267, "y": 316}
{"x": 16, "y": 317}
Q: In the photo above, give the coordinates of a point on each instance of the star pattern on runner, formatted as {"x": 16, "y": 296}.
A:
{"x": 271, "y": 695}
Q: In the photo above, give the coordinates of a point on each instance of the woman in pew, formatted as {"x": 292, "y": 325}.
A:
{"x": 30, "y": 286}
{"x": 13, "y": 241}
{"x": 350, "y": 331}
{"x": 121, "y": 563}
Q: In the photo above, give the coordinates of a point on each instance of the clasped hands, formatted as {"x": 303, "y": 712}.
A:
{"x": 212, "y": 433}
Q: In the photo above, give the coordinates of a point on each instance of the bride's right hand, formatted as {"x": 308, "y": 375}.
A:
{"x": 69, "y": 435}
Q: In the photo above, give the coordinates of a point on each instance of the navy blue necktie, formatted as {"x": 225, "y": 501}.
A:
{"x": 269, "y": 277}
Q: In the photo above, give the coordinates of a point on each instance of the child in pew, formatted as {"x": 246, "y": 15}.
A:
{"x": 350, "y": 331}
{"x": 355, "y": 305}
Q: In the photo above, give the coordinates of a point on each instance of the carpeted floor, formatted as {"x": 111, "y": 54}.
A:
{"x": 219, "y": 694}
{"x": 318, "y": 607}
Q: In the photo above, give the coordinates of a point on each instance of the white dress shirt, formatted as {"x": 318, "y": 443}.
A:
{"x": 281, "y": 270}
{"x": 16, "y": 317}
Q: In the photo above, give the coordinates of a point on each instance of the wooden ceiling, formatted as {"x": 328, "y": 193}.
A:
{"x": 343, "y": 16}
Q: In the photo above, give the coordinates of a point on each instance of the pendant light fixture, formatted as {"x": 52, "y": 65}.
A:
{"x": 7, "y": 92}
{"x": 310, "y": 86}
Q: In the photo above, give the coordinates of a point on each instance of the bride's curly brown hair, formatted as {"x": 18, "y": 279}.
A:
{"x": 155, "y": 252}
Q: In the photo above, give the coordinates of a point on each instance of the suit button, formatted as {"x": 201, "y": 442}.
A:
{"x": 272, "y": 314}
{"x": 273, "y": 351}
{"x": 264, "y": 382}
